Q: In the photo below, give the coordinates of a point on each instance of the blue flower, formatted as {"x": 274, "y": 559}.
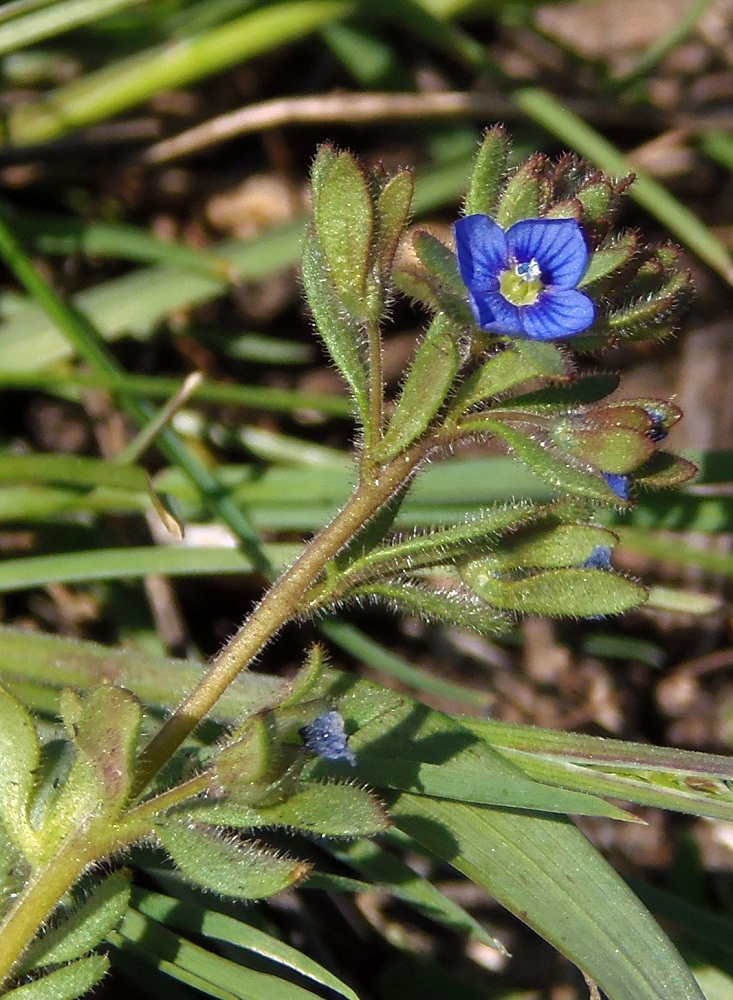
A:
{"x": 600, "y": 558}
{"x": 619, "y": 483}
{"x": 522, "y": 282}
{"x": 327, "y": 737}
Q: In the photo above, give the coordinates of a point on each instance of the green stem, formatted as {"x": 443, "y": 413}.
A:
{"x": 376, "y": 394}
{"x": 281, "y": 603}
{"x": 37, "y": 900}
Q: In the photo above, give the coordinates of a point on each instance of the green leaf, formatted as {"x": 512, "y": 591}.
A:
{"x": 570, "y": 208}
{"x": 66, "y": 983}
{"x": 440, "y": 261}
{"x": 73, "y": 470}
{"x": 344, "y": 224}
{"x": 20, "y": 755}
{"x": 407, "y": 746}
{"x": 393, "y": 212}
{"x": 144, "y": 944}
{"x": 428, "y": 382}
{"x": 606, "y": 260}
{"x": 66, "y": 235}
{"x": 649, "y": 310}
{"x": 195, "y": 919}
{"x": 443, "y": 546}
{"x": 11, "y": 869}
{"x": 597, "y": 198}
{"x": 107, "y": 735}
{"x": 545, "y": 871}
{"x": 620, "y": 448}
{"x": 33, "y": 25}
{"x": 104, "y": 728}
{"x": 487, "y": 175}
{"x": 572, "y": 393}
{"x": 122, "y": 83}
{"x": 542, "y": 461}
{"x": 497, "y": 374}
{"x": 336, "y": 809}
{"x": 457, "y": 606}
{"x": 247, "y": 758}
{"x": 548, "y": 360}
{"x": 389, "y": 872}
{"x": 524, "y": 196}
{"x": 664, "y": 470}
{"x": 340, "y": 333}
{"x": 580, "y": 593}
{"x": 85, "y": 927}
{"x": 228, "y": 865}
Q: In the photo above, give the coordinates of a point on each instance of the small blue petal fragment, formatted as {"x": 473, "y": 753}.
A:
{"x": 326, "y": 736}
{"x": 619, "y": 483}
{"x": 600, "y": 558}
{"x": 657, "y": 432}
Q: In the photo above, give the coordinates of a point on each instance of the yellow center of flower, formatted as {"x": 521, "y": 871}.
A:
{"x": 522, "y": 284}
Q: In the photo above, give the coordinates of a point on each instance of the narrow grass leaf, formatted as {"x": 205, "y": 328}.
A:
{"x": 192, "y": 918}
{"x": 37, "y": 25}
{"x": 389, "y": 872}
{"x": 125, "y": 83}
{"x": 131, "y": 563}
{"x": 546, "y": 872}
{"x": 214, "y": 975}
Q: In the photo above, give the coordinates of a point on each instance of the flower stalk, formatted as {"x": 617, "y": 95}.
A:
{"x": 281, "y": 603}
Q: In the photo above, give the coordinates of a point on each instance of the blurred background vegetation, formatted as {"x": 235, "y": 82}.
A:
{"x": 153, "y": 162}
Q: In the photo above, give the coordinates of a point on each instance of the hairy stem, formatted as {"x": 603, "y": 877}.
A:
{"x": 281, "y": 603}
{"x": 42, "y": 893}
{"x": 376, "y": 391}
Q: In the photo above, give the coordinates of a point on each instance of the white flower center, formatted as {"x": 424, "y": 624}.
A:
{"x": 522, "y": 284}
{"x": 528, "y": 270}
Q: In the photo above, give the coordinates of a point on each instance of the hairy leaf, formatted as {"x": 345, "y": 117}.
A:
{"x": 20, "y": 756}
{"x": 66, "y": 983}
{"x": 226, "y": 864}
{"x": 487, "y": 175}
{"x": 85, "y": 927}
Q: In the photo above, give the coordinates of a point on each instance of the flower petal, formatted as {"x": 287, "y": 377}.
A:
{"x": 326, "y": 736}
{"x": 618, "y": 483}
{"x": 494, "y": 314}
{"x": 481, "y": 249}
{"x": 557, "y": 313}
{"x": 558, "y": 246}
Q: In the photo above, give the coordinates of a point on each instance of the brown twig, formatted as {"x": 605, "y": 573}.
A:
{"x": 365, "y": 108}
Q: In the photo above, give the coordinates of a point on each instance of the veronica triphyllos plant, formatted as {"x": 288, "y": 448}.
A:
{"x": 536, "y": 267}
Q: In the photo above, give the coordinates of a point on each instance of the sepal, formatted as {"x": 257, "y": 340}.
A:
{"x": 333, "y": 809}
{"x": 560, "y": 593}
